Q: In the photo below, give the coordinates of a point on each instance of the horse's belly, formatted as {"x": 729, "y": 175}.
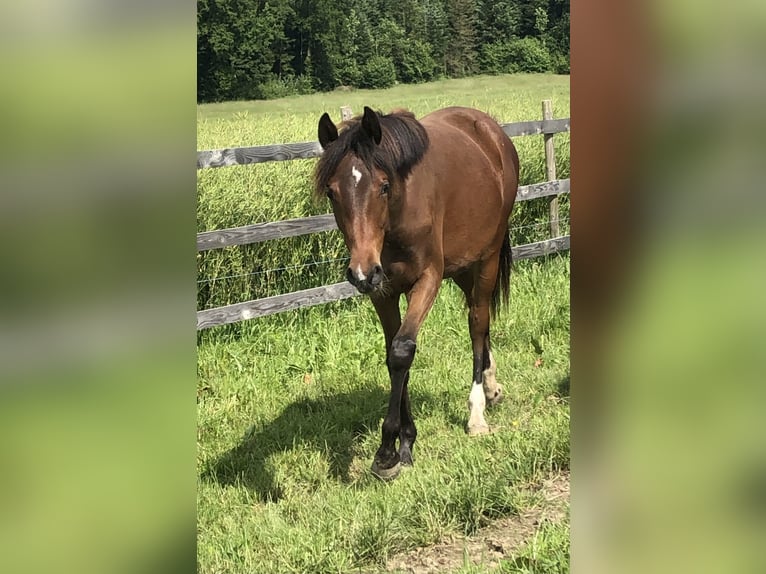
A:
{"x": 462, "y": 259}
{"x": 456, "y": 267}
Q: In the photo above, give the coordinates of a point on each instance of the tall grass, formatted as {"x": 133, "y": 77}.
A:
{"x": 242, "y": 195}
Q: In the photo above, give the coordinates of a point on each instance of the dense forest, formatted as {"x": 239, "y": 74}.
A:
{"x": 257, "y": 49}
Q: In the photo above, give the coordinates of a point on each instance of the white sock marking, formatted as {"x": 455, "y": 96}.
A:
{"x": 476, "y": 403}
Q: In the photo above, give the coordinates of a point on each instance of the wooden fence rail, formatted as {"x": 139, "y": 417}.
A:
{"x": 335, "y": 292}
{"x": 306, "y": 225}
{"x": 256, "y": 233}
{"x": 308, "y": 150}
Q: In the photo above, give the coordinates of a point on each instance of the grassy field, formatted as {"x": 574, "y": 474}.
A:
{"x": 289, "y": 420}
{"x": 290, "y": 406}
{"x": 497, "y": 95}
{"x": 243, "y": 195}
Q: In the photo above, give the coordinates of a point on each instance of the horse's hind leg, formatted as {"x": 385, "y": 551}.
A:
{"x": 493, "y": 391}
{"x": 478, "y": 286}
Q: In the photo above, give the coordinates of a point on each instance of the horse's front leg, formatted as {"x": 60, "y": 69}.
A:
{"x": 401, "y": 352}
{"x": 390, "y": 317}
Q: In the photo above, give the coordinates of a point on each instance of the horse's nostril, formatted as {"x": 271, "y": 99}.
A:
{"x": 377, "y": 275}
{"x": 350, "y": 275}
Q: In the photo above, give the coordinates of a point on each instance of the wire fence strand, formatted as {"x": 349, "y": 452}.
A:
{"x": 315, "y": 263}
{"x": 286, "y": 268}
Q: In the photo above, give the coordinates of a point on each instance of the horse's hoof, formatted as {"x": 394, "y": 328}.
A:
{"x": 405, "y": 457}
{"x": 496, "y": 398}
{"x": 386, "y": 474}
{"x": 477, "y": 430}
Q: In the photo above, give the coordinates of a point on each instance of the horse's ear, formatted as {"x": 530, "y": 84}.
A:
{"x": 371, "y": 125}
{"x": 328, "y": 133}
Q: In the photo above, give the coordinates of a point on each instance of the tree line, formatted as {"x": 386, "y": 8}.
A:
{"x": 258, "y": 49}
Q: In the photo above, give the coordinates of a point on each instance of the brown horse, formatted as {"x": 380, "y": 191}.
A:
{"x": 419, "y": 201}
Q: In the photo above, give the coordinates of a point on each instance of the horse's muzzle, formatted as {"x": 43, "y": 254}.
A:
{"x": 365, "y": 283}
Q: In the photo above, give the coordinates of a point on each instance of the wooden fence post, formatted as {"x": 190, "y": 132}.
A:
{"x": 345, "y": 113}
{"x": 550, "y": 169}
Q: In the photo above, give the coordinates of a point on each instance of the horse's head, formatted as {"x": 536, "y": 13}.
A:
{"x": 358, "y": 191}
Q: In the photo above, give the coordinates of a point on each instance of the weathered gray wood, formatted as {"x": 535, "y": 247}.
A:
{"x": 335, "y": 292}
{"x": 277, "y": 304}
{"x": 550, "y": 169}
{"x": 257, "y": 154}
{"x": 303, "y": 226}
{"x": 265, "y": 231}
{"x": 536, "y": 127}
{"x": 541, "y": 248}
{"x": 542, "y": 189}
{"x": 307, "y": 150}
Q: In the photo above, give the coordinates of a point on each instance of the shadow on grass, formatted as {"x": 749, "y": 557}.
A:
{"x": 334, "y": 425}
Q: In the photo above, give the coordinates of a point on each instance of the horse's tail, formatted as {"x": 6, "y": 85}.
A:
{"x": 503, "y": 282}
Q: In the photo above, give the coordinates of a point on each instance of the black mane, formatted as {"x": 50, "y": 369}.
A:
{"x": 402, "y": 146}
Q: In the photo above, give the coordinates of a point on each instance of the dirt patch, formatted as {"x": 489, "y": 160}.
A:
{"x": 502, "y": 538}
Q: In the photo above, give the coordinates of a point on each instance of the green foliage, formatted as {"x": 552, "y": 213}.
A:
{"x": 541, "y": 21}
{"x": 379, "y": 72}
{"x": 499, "y": 18}
{"x": 412, "y": 58}
{"x": 461, "y": 51}
{"x": 349, "y": 73}
{"x": 246, "y": 48}
{"x": 436, "y": 33}
{"x": 239, "y": 44}
{"x": 494, "y": 58}
{"x": 527, "y": 55}
{"x": 416, "y": 64}
{"x": 285, "y": 86}
{"x": 532, "y": 14}
{"x": 561, "y": 63}
{"x": 521, "y": 55}
{"x": 557, "y": 35}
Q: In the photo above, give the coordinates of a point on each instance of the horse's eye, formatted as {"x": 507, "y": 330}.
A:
{"x": 328, "y": 193}
{"x": 384, "y": 188}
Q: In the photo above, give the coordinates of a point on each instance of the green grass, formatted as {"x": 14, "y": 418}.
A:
{"x": 242, "y": 195}
{"x": 491, "y": 93}
{"x": 289, "y": 417}
{"x": 546, "y": 553}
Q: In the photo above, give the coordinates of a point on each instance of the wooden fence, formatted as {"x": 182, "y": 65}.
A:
{"x": 305, "y": 225}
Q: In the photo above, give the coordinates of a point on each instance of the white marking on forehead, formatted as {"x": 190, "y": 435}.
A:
{"x": 359, "y": 275}
{"x": 357, "y": 175}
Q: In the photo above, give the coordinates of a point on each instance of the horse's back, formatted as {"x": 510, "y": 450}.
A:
{"x": 473, "y": 170}
{"x": 464, "y": 119}
{"x": 456, "y": 124}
